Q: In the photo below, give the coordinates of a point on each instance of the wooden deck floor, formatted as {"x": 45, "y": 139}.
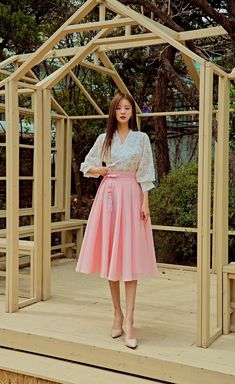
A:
{"x": 75, "y": 325}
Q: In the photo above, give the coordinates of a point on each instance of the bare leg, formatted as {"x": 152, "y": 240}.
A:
{"x": 118, "y": 315}
{"x": 130, "y": 287}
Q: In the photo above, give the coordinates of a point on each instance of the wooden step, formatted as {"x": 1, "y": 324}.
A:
{"x": 19, "y": 366}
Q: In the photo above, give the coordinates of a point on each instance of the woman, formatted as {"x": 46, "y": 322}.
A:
{"x": 118, "y": 242}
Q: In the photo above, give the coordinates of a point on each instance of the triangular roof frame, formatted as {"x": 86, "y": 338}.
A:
{"x": 125, "y": 16}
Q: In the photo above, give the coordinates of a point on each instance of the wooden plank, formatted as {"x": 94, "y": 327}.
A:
{"x": 46, "y": 203}
{"x": 57, "y": 106}
{"x": 97, "y": 68}
{"x": 130, "y": 45}
{"x": 38, "y": 192}
{"x": 60, "y": 164}
{"x": 30, "y": 211}
{"x": 151, "y": 114}
{"x": 36, "y": 369}
{"x": 24, "y": 91}
{"x": 12, "y": 173}
{"x": 56, "y": 52}
{"x": 9, "y": 60}
{"x": 222, "y": 180}
{"x": 83, "y": 89}
{"x": 201, "y": 33}
{"x": 166, "y": 346}
{"x": 226, "y": 304}
{"x": 29, "y": 112}
{"x": 200, "y": 204}
{"x": 67, "y": 178}
{"x": 206, "y": 195}
{"x": 127, "y": 39}
{"x": 192, "y": 70}
{"x": 161, "y": 31}
{"x": 102, "y": 11}
{"x": 53, "y": 40}
{"x": 24, "y": 78}
{"x": 89, "y": 48}
{"x": 96, "y": 25}
{"x": 117, "y": 79}
{"x": 231, "y": 75}
{"x": 68, "y": 162}
{"x": 56, "y": 226}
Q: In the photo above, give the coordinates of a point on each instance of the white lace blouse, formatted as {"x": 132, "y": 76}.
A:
{"x": 134, "y": 154}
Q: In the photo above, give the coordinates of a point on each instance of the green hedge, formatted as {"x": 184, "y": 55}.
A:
{"x": 174, "y": 202}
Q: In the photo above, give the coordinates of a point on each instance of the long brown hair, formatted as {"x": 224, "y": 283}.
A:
{"x": 112, "y": 121}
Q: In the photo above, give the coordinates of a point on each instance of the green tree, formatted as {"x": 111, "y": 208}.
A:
{"x": 25, "y": 24}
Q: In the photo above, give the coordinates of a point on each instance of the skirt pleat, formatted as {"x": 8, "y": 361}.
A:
{"x": 117, "y": 243}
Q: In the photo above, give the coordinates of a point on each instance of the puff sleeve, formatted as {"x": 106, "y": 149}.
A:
{"x": 93, "y": 158}
{"x": 145, "y": 173}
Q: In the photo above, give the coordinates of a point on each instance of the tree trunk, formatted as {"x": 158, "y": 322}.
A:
{"x": 77, "y": 178}
{"x": 161, "y": 144}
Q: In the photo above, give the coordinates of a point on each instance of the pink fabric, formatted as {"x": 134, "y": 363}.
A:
{"x": 117, "y": 244}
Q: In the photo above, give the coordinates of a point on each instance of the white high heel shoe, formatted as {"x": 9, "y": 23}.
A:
{"x": 131, "y": 343}
{"x": 116, "y": 333}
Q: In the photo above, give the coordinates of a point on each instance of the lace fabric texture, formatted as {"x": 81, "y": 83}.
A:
{"x": 132, "y": 155}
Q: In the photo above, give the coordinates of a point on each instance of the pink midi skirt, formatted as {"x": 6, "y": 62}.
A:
{"x": 117, "y": 243}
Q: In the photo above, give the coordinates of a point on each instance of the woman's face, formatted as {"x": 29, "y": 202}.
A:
{"x": 123, "y": 111}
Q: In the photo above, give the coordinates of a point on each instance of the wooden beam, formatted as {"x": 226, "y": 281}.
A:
{"x": 53, "y": 40}
{"x": 84, "y": 91}
{"x": 117, "y": 79}
{"x": 24, "y": 91}
{"x": 100, "y": 25}
{"x": 97, "y": 68}
{"x": 57, "y": 53}
{"x": 53, "y": 53}
{"x": 25, "y": 78}
{"x": 231, "y": 75}
{"x": 68, "y": 165}
{"x": 46, "y": 203}
{"x": 102, "y": 11}
{"x": 57, "y": 106}
{"x": 55, "y": 77}
{"x": 130, "y": 45}
{"x": 151, "y": 114}
{"x": 127, "y": 39}
{"x": 60, "y": 163}
{"x": 192, "y": 70}
{"x": 12, "y": 173}
{"x": 222, "y": 182}
{"x": 165, "y": 33}
{"x": 204, "y": 205}
{"x": 201, "y": 33}
{"x": 9, "y": 60}
{"x": 38, "y": 192}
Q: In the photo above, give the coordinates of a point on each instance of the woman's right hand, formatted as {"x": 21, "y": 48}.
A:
{"x": 103, "y": 171}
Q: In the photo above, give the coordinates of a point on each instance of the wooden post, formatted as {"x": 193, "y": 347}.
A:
{"x": 102, "y": 10}
{"x": 204, "y": 204}
{"x": 68, "y": 161}
{"x": 46, "y": 216}
{"x": 38, "y": 193}
{"x": 67, "y": 201}
{"x": 221, "y": 203}
{"x": 12, "y": 173}
{"x": 59, "y": 164}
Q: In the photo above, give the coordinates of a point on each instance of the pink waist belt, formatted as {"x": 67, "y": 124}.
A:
{"x": 112, "y": 177}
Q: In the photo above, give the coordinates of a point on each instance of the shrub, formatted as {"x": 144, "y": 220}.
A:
{"x": 174, "y": 202}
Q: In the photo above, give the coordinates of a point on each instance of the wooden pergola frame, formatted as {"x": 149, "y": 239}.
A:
{"x": 23, "y": 81}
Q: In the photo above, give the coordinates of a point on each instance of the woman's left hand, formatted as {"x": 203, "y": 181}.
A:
{"x": 145, "y": 212}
